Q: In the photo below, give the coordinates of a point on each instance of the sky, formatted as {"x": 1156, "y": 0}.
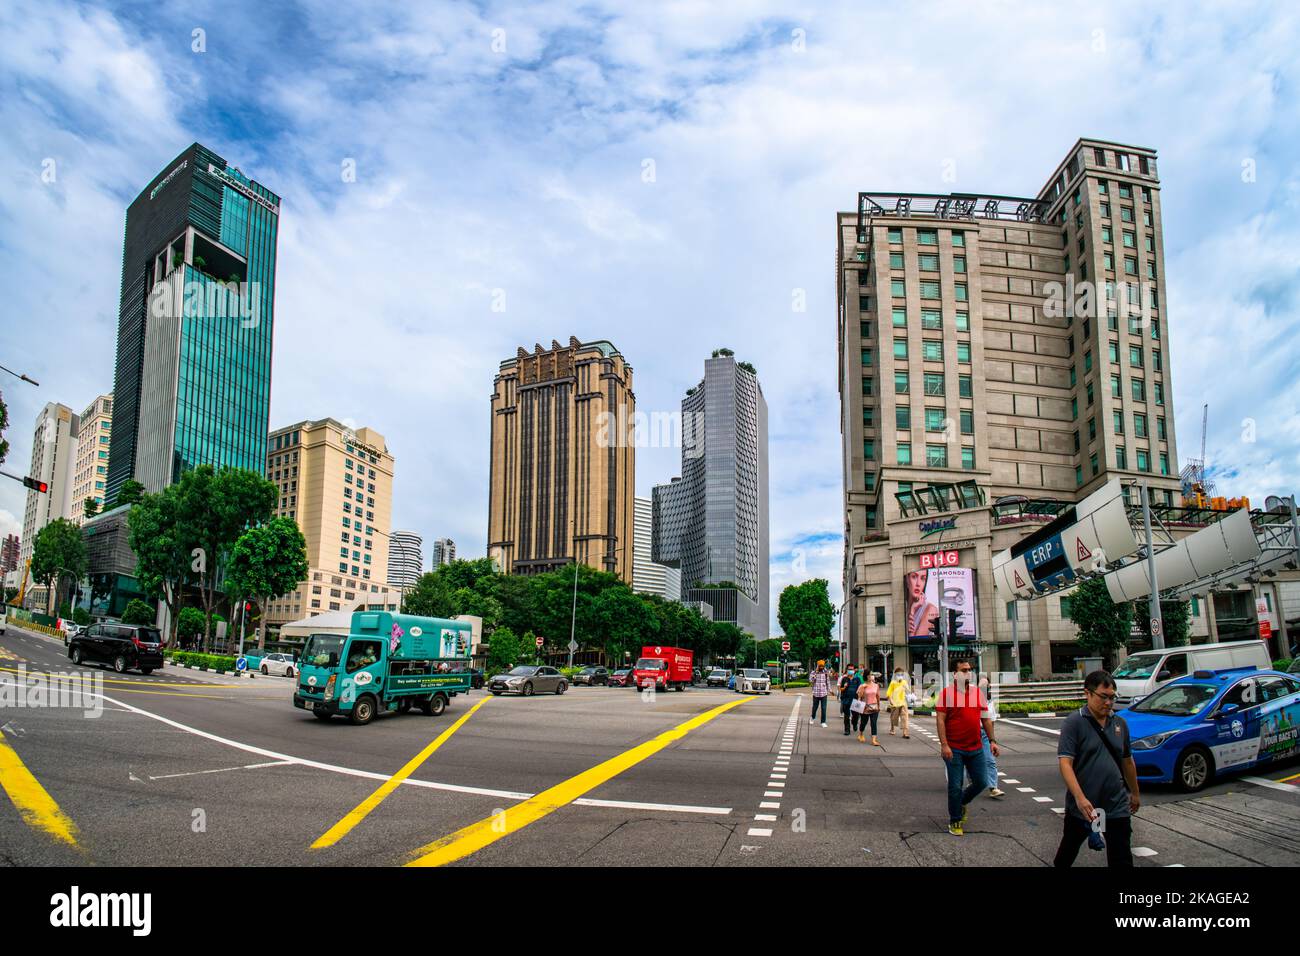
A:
{"x": 460, "y": 179}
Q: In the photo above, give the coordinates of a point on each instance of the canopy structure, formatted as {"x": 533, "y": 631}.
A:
{"x": 1100, "y": 537}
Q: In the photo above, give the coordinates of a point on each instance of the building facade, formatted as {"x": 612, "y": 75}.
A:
{"x": 54, "y": 457}
{"x": 444, "y": 552}
{"x": 192, "y": 381}
{"x": 90, "y": 473}
{"x": 712, "y": 522}
{"x": 9, "y": 553}
{"x": 996, "y": 352}
{"x": 336, "y": 482}
{"x": 405, "y": 558}
{"x": 563, "y": 460}
{"x": 647, "y": 576}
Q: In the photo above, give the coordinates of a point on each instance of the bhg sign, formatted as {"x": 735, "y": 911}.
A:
{"x": 938, "y": 559}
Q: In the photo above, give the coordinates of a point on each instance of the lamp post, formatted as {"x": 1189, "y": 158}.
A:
{"x": 573, "y": 616}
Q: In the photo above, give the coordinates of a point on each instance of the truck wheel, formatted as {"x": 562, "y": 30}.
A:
{"x": 437, "y": 706}
{"x": 528, "y": 689}
{"x": 496, "y": 693}
{"x": 1194, "y": 769}
{"x": 363, "y": 711}
{"x": 680, "y": 687}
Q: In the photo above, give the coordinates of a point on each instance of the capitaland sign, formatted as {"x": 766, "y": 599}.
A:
{"x": 168, "y": 178}
{"x": 937, "y": 525}
{"x": 242, "y": 188}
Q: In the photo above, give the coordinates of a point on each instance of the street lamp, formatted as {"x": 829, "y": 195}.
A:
{"x": 573, "y": 618}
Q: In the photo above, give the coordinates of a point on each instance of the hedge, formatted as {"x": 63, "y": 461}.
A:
{"x": 1283, "y": 664}
{"x": 213, "y": 662}
{"x": 1037, "y": 706}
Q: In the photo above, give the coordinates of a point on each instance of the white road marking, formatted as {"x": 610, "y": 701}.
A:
{"x": 1042, "y": 799}
{"x": 249, "y": 766}
{"x": 667, "y": 807}
{"x": 766, "y": 805}
{"x": 773, "y": 793}
{"x": 1017, "y": 723}
{"x": 1144, "y": 851}
{"x": 768, "y": 817}
{"x": 1058, "y": 809}
{"x": 1271, "y": 784}
{"x": 759, "y": 831}
{"x": 1026, "y": 789}
{"x": 1010, "y": 781}
{"x": 779, "y": 776}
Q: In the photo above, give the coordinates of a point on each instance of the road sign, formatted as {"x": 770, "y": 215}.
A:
{"x": 573, "y": 645}
{"x": 785, "y": 645}
{"x": 540, "y": 642}
{"x": 1155, "y": 625}
{"x": 241, "y": 664}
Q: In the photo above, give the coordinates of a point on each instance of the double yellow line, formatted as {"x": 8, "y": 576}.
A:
{"x": 33, "y": 802}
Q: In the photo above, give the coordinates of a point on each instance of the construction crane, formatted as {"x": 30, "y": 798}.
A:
{"x": 1197, "y": 488}
{"x": 22, "y": 588}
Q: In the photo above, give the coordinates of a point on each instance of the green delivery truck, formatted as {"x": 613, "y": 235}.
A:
{"x": 387, "y": 662}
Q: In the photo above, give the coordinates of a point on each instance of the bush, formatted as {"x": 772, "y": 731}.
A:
{"x": 1283, "y": 664}
{"x": 214, "y": 662}
{"x": 569, "y": 671}
{"x": 1011, "y": 708}
{"x": 793, "y": 683}
{"x": 138, "y": 612}
{"x": 81, "y": 616}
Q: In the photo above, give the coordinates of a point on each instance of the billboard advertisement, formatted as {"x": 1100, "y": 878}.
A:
{"x": 923, "y": 592}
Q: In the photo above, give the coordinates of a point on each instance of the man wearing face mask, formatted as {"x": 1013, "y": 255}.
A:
{"x": 959, "y": 712}
{"x": 848, "y": 690}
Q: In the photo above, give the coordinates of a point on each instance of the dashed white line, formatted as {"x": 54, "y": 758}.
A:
{"x": 1026, "y": 789}
{"x": 760, "y": 831}
{"x": 766, "y": 817}
{"x": 1042, "y": 799}
{"x": 1143, "y": 851}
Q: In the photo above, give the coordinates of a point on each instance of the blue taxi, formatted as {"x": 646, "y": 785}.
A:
{"x": 1215, "y": 721}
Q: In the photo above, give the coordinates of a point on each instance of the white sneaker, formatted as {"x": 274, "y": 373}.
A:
{"x": 995, "y": 792}
{"x": 823, "y": 723}
{"x": 812, "y": 720}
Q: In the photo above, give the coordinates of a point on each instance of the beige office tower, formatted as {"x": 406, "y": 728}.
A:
{"x": 94, "y": 432}
{"x": 336, "y": 482}
{"x": 997, "y": 357}
{"x": 563, "y": 460}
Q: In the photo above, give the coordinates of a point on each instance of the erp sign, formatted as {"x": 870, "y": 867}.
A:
{"x": 1047, "y": 563}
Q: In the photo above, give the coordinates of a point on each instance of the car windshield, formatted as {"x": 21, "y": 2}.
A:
{"x": 1138, "y": 666}
{"x": 754, "y": 672}
{"x": 622, "y": 673}
{"x": 650, "y": 664}
{"x": 589, "y": 670}
{"x": 717, "y": 673}
{"x": 323, "y": 650}
{"x": 521, "y": 671}
{"x": 1177, "y": 700}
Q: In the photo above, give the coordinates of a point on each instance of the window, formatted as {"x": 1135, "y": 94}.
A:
{"x": 959, "y": 239}
{"x": 959, "y": 291}
{"x": 1087, "y": 361}
{"x": 936, "y": 456}
{"x": 1139, "y": 425}
{"x": 904, "y": 453}
{"x": 880, "y": 615}
{"x": 967, "y": 422}
{"x": 1119, "y": 422}
{"x": 931, "y": 320}
{"x": 868, "y": 417}
{"x": 897, "y": 288}
{"x": 1164, "y": 463}
{"x": 927, "y": 237}
{"x": 900, "y": 348}
{"x": 1074, "y": 409}
{"x": 934, "y": 383}
{"x": 1135, "y": 356}
{"x": 1078, "y": 197}
{"x": 1139, "y": 390}
{"x": 1150, "y": 242}
{"x": 902, "y": 417}
{"x": 1092, "y": 429}
{"x": 1143, "y": 460}
{"x": 1126, "y": 213}
{"x": 963, "y": 352}
{"x": 869, "y": 449}
{"x": 1125, "y": 191}
{"x": 895, "y": 260}
{"x": 1130, "y": 266}
{"x": 868, "y": 388}
{"x": 1105, "y": 210}
{"x": 932, "y": 350}
{"x": 934, "y": 419}
{"x": 967, "y": 457}
{"x": 869, "y": 481}
{"x": 1074, "y": 377}
{"x": 1160, "y": 393}
{"x": 1160, "y": 429}
{"x": 864, "y": 303}
{"x": 1121, "y": 457}
{"x": 963, "y": 321}
{"x": 865, "y": 329}
{"x": 1106, "y": 234}
{"x": 959, "y": 265}
{"x": 929, "y": 262}
{"x": 929, "y": 289}
{"x": 1130, "y": 239}
{"x": 900, "y": 318}
{"x": 900, "y": 383}
{"x": 964, "y": 386}
{"x": 895, "y": 236}
{"x": 868, "y": 357}
{"x": 1078, "y": 474}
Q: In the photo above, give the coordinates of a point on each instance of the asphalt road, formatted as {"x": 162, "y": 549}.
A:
{"x": 183, "y": 768}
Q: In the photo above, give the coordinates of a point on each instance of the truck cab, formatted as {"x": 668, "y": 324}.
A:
{"x": 387, "y": 663}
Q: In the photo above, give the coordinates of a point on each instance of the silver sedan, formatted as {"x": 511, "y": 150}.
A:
{"x": 528, "y": 679}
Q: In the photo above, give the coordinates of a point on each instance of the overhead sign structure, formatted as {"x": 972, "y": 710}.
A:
{"x": 1202, "y": 554}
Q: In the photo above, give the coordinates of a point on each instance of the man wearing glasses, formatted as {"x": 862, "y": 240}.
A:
{"x": 959, "y": 712}
{"x": 1100, "y": 777}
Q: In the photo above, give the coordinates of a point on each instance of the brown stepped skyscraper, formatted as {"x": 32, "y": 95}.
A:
{"x": 563, "y": 462}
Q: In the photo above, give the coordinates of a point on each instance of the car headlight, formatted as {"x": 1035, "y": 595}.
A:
{"x": 1154, "y": 741}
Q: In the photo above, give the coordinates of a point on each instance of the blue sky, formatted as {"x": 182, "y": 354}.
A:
{"x": 506, "y": 148}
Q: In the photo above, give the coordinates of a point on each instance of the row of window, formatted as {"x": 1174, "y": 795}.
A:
{"x": 933, "y": 383}
{"x": 936, "y": 420}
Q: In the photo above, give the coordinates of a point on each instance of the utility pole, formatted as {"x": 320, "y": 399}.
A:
{"x": 1153, "y": 602}
{"x": 1015, "y": 636}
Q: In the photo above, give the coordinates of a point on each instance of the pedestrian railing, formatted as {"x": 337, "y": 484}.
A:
{"x": 1039, "y": 691}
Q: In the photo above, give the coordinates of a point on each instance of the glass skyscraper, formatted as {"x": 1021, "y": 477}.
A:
{"x": 193, "y": 378}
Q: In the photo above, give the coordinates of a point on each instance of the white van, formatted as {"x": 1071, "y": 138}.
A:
{"x": 1145, "y": 671}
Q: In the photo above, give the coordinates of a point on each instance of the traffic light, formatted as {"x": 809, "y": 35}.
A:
{"x": 934, "y": 629}
{"x": 36, "y": 485}
{"x": 954, "y": 623}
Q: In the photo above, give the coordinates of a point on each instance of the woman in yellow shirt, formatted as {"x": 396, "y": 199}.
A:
{"x": 896, "y": 693}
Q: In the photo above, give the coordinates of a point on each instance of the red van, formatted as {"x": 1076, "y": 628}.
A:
{"x": 664, "y": 667}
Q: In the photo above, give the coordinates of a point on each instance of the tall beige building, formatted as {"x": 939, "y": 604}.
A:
{"x": 997, "y": 356}
{"x": 94, "y": 431}
{"x": 563, "y": 463}
{"x": 54, "y": 455}
{"x": 337, "y": 484}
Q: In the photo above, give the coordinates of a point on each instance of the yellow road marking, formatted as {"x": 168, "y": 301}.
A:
{"x": 344, "y": 826}
{"x": 1294, "y": 776}
{"x": 34, "y": 804}
{"x": 476, "y": 836}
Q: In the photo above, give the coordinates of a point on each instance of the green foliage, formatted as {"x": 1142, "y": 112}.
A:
{"x": 1037, "y": 707}
{"x": 131, "y": 493}
{"x": 1104, "y": 626}
{"x": 267, "y": 560}
{"x": 65, "y": 610}
{"x": 160, "y": 543}
{"x": 4, "y": 424}
{"x": 189, "y": 623}
{"x": 138, "y": 612}
{"x": 504, "y": 651}
{"x": 748, "y": 367}
{"x": 58, "y": 552}
{"x": 90, "y": 507}
{"x": 806, "y": 615}
{"x": 214, "y": 662}
{"x": 80, "y": 616}
{"x": 1175, "y": 619}
{"x": 1283, "y": 664}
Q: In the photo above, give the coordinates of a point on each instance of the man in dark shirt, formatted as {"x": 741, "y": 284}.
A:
{"x": 1100, "y": 776}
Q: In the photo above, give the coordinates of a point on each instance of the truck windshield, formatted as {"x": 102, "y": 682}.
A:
{"x": 650, "y": 664}
{"x": 1138, "y": 666}
{"x": 322, "y": 650}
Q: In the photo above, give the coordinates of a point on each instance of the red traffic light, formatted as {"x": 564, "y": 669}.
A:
{"x": 248, "y": 606}
{"x": 36, "y": 485}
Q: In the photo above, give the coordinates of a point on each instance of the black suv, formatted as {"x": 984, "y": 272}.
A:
{"x": 591, "y": 676}
{"x": 124, "y": 646}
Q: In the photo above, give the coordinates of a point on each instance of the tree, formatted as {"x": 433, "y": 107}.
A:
{"x": 130, "y": 493}
{"x": 504, "y": 651}
{"x": 90, "y": 507}
{"x": 162, "y": 551}
{"x": 1175, "y": 618}
{"x": 1104, "y": 626}
{"x": 138, "y": 612}
{"x": 806, "y": 615}
{"x": 265, "y": 561}
{"x": 58, "y": 551}
{"x": 624, "y": 622}
{"x": 189, "y": 624}
{"x": 80, "y": 616}
{"x": 4, "y": 424}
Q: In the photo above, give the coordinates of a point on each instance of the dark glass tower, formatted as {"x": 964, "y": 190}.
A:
{"x": 193, "y": 376}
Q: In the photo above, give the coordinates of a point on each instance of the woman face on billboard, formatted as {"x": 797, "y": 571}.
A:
{"x": 915, "y": 586}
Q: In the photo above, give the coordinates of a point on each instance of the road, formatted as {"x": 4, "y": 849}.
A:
{"x": 184, "y": 768}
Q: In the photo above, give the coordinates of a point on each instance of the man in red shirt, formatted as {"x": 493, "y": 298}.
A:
{"x": 960, "y": 710}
